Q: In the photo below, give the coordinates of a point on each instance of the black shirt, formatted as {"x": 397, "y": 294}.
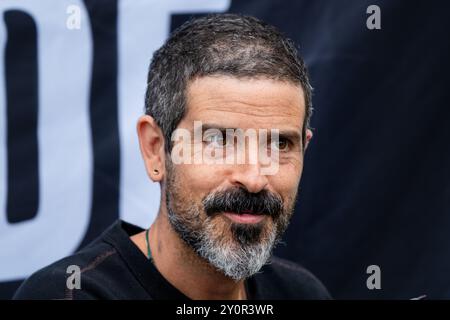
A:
{"x": 113, "y": 267}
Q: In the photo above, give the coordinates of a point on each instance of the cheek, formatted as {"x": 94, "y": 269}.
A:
{"x": 287, "y": 180}
{"x": 201, "y": 178}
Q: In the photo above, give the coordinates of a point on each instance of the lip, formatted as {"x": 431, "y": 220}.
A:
{"x": 244, "y": 217}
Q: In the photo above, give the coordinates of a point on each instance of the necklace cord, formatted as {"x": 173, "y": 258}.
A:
{"x": 149, "y": 252}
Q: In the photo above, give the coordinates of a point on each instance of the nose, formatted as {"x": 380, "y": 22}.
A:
{"x": 249, "y": 176}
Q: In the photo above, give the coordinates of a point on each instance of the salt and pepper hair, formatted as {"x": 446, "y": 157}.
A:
{"x": 221, "y": 44}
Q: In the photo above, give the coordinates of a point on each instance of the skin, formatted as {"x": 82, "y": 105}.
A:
{"x": 229, "y": 103}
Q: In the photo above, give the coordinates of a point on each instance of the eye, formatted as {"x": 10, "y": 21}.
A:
{"x": 216, "y": 139}
{"x": 283, "y": 145}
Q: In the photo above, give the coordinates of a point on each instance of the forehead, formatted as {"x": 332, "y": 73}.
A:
{"x": 242, "y": 103}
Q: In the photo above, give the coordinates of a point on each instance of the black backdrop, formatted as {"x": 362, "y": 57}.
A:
{"x": 376, "y": 183}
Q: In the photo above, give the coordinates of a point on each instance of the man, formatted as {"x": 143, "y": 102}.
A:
{"x": 224, "y": 206}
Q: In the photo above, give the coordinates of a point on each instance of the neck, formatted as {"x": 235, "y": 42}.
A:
{"x": 183, "y": 268}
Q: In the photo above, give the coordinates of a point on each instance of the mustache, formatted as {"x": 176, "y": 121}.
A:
{"x": 241, "y": 201}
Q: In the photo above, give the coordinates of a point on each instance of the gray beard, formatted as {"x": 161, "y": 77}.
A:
{"x": 234, "y": 259}
{"x": 238, "y": 257}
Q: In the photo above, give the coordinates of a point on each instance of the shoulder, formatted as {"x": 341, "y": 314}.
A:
{"x": 57, "y": 280}
{"x": 283, "y": 279}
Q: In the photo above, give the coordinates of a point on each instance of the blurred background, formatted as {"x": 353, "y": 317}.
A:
{"x": 376, "y": 182}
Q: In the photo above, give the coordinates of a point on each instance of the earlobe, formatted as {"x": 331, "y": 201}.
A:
{"x": 151, "y": 144}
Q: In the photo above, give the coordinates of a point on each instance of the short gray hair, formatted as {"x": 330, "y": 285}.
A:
{"x": 219, "y": 44}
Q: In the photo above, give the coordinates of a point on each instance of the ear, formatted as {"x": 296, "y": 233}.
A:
{"x": 151, "y": 143}
{"x": 308, "y": 137}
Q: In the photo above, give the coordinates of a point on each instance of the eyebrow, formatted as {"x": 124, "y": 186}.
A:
{"x": 293, "y": 135}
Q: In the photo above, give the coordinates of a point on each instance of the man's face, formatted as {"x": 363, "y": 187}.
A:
{"x": 232, "y": 214}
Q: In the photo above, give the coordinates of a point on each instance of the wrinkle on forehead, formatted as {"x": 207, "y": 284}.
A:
{"x": 242, "y": 100}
